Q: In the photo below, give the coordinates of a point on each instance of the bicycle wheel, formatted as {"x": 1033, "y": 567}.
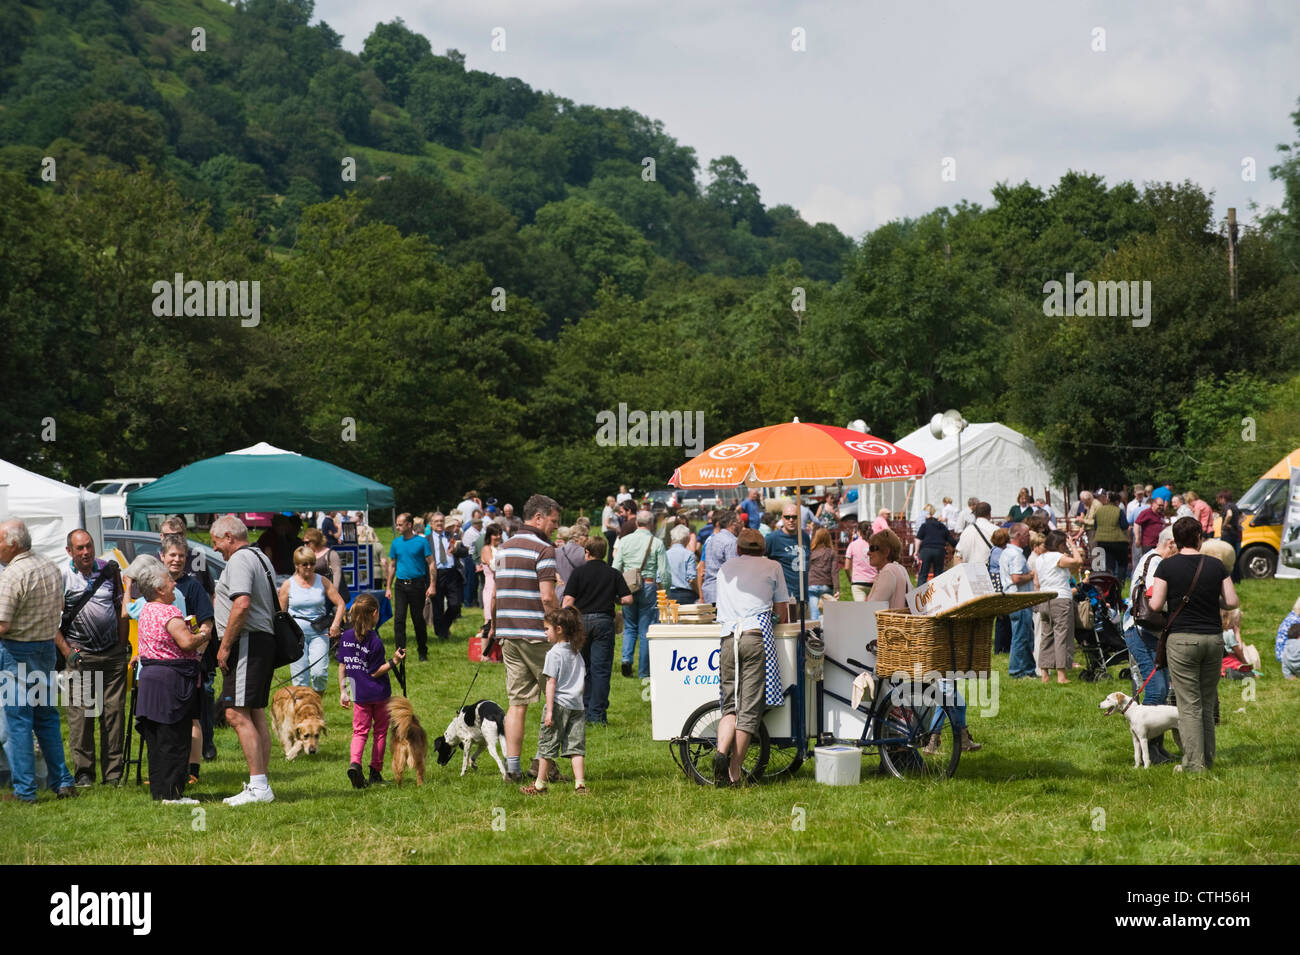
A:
{"x": 699, "y": 741}
{"x": 910, "y": 748}
{"x": 783, "y": 761}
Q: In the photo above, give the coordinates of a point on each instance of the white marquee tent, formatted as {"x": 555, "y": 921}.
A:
{"x": 997, "y": 461}
{"x": 50, "y": 510}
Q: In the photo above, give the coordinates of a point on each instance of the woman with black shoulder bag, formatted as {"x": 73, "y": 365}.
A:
{"x": 1195, "y": 587}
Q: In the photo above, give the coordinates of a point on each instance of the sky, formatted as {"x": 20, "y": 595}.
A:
{"x": 855, "y": 128}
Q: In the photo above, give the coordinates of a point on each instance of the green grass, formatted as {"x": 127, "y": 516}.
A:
{"x": 1050, "y": 761}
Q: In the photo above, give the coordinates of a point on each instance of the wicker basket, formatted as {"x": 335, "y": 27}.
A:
{"x": 920, "y": 645}
{"x": 960, "y": 640}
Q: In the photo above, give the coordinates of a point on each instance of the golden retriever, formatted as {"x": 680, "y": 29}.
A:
{"x": 407, "y": 740}
{"x": 298, "y": 719}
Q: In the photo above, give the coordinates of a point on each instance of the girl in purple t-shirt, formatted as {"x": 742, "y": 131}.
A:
{"x": 364, "y": 686}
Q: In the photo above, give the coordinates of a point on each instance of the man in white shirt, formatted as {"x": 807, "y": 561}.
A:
{"x": 975, "y": 544}
{"x": 1139, "y": 501}
{"x": 750, "y": 586}
{"x": 623, "y": 494}
{"x": 610, "y": 524}
{"x": 966, "y": 518}
{"x": 1018, "y": 578}
{"x": 467, "y": 507}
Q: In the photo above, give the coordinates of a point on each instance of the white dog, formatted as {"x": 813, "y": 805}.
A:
{"x": 1145, "y": 723}
{"x": 477, "y": 726}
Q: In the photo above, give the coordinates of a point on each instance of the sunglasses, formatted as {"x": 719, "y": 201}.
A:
{"x": 872, "y": 548}
{"x": 789, "y": 517}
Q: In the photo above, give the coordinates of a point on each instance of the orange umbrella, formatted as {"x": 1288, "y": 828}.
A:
{"x": 796, "y": 454}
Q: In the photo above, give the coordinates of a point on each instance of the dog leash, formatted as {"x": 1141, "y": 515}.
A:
{"x": 1141, "y": 690}
{"x": 309, "y": 664}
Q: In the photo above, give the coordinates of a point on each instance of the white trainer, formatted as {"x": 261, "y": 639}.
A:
{"x": 248, "y": 795}
{"x": 183, "y": 801}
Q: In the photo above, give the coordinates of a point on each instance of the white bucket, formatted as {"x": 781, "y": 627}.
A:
{"x": 838, "y": 765}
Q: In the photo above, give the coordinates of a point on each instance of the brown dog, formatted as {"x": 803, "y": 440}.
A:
{"x": 406, "y": 739}
{"x": 298, "y": 719}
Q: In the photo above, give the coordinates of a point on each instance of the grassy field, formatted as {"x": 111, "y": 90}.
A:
{"x": 1054, "y": 784}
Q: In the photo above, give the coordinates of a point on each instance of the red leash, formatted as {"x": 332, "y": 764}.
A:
{"x": 1140, "y": 691}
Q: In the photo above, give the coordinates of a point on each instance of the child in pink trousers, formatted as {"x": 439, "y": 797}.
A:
{"x": 364, "y": 686}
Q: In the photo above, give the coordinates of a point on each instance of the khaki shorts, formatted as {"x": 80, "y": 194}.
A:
{"x": 524, "y": 680}
{"x": 566, "y": 736}
{"x": 752, "y": 677}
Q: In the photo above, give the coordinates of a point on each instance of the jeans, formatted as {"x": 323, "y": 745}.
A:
{"x": 1142, "y": 647}
{"x": 23, "y": 720}
{"x": 598, "y": 654}
{"x": 815, "y": 593}
{"x": 683, "y": 595}
{"x": 637, "y": 619}
{"x": 951, "y": 697}
{"x": 1022, "y": 643}
{"x": 315, "y": 660}
{"x": 410, "y": 593}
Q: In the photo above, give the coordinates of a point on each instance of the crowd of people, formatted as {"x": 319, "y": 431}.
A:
{"x": 551, "y": 595}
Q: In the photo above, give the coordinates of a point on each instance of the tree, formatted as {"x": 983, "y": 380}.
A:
{"x": 392, "y": 51}
{"x": 524, "y": 170}
{"x": 598, "y": 243}
{"x": 731, "y": 191}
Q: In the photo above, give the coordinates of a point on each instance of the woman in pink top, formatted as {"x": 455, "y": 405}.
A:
{"x": 167, "y": 699}
{"x": 1202, "y": 512}
{"x": 856, "y": 561}
{"x": 892, "y": 582}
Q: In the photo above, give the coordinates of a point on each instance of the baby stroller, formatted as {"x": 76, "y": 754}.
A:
{"x": 1099, "y": 636}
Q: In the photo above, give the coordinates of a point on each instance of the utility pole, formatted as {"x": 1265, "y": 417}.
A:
{"x": 1232, "y": 254}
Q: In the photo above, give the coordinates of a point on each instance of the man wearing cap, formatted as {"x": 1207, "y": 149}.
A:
{"x": 752, "y": 596}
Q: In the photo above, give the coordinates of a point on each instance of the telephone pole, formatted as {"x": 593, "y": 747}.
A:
{"x": 1232, "y": 254}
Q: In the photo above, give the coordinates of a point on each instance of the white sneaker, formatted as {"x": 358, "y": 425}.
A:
{"x": 250, "y": 794}
{"x": 183, "y": 801}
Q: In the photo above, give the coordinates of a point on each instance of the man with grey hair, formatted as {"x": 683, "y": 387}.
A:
{"x": 641, "y": 555}
{"x": 245, "y": 608}
{"x": 31, "y": 599}
{"x": 966, "y": 518}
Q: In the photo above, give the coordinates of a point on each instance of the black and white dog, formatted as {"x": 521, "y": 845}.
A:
{"x": 477, "y": 726}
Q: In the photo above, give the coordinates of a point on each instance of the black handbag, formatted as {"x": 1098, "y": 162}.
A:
{"x": 289, "y": 641}
{"x": 1144, "y": 615}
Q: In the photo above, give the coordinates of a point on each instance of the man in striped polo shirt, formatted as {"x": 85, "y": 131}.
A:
{"x": 525, "y": 592}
